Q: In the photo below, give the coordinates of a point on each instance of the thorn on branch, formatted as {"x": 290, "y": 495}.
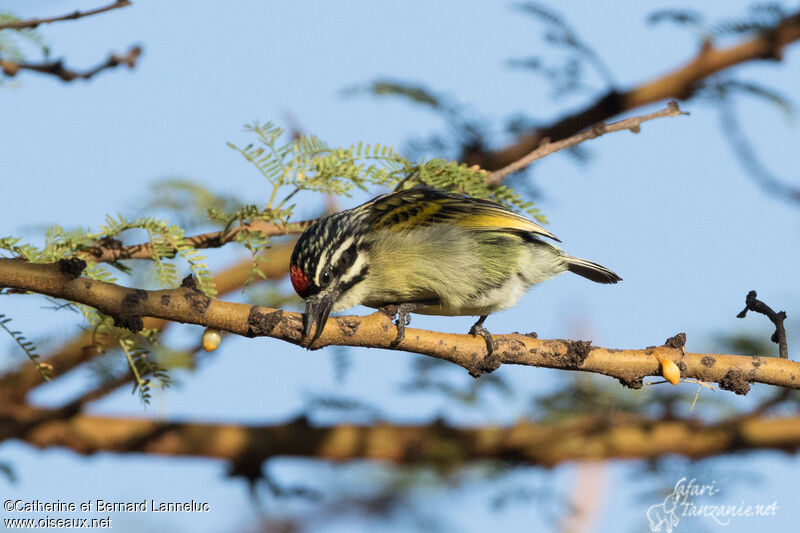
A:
{"x": 189, "y": 282}
{"x": 677, "y": 342}
{"x": 734, "y": 381}
{"x": 71, "y": 267}
{"x": 577, "y": 352}
{"x": 633, "y": 382}
{"x": 131, "y": 319}
{"x": 757, "y": 306}
{"x": 132, "y": 323}
{"x": 599, "y": 128}
{"x": 484, "y": 365}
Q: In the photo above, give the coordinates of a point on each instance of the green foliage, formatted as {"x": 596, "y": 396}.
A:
{"x": 25, "y": 251}
{"x": 680, "y": 17}
{"x": 415, "y": 93}
{"x": 758, "y": 19}
{"x": 188, "y": 202}
{"x": 723, "y": 88}
{"x": 307, "y": 163}
{"x": 566, "y": 77}
{"x": 142, "y": 368}
{"x": 27, "y": 346}
{"x": 167, "y": 240}
{"x": 13, "y": 41}
{"x": 137, "y": 347}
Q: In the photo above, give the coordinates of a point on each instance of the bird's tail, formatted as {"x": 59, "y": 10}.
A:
{"x": 590, "y": 270}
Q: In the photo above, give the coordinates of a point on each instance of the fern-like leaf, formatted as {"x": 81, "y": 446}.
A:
{"x": 45, "y": 370}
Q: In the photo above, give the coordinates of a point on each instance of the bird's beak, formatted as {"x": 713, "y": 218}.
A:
{"x": 317, "y": 310}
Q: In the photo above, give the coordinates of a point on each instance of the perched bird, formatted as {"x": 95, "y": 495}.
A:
{"x": 428, "y": 251}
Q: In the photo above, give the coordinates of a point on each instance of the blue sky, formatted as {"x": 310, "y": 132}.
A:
{"x": 669, "y": 209}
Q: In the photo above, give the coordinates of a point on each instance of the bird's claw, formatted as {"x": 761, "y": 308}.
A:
{"x": 478, "y": 329}
{"x": 403, "y": 313}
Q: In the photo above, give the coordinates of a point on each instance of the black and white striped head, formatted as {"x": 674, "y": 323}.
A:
{"x": 328, "y": 260}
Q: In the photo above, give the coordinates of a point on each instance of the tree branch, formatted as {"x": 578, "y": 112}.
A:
{"x": 127, "y": 306}
{"x": 757, "y": 306}
{"x": 110, "y": 250}
{"x": 57, "y": 68}
{"x": 679, "y": 84}
{"x": 581, "y": 438}
{"x": 546, "y": 147}
{"x": 14, "y": 386}
{"x": 33, "y": 23}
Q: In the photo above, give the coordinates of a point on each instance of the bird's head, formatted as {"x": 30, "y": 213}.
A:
{"x": 328, "y": 260}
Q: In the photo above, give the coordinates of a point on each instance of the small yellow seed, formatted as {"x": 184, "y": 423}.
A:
{"x": 670, "y": 370}
{"x": 211, "y": 339}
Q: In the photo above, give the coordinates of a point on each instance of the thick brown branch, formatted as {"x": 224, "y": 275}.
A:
{"x": 14, "y": 386}
{"x": 33, "y": 23}
{"x": 111, "y": 250}
{"x": 546, "y": 147}
{"x": 679, "y": 84}
{"x": 188, "y": 305}
{"x": 57, "y": 68}
{"x": 527, "y": 442}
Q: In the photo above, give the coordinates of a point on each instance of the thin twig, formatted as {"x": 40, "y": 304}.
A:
{"x": 57, "y": 68}
{"x": 110, "y": 250}
{"x": 546, "y": 147}
{"x": 680, "y": 83}
{"x": 779, "y": 337}
{"x": 33, "y": 23}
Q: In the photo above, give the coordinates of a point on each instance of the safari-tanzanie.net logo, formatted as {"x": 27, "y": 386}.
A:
{"x": 691, "y": 500}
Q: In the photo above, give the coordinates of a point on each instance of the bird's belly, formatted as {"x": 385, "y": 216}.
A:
{"x": 446, "y": 265}
{"x": 487, "y": 302}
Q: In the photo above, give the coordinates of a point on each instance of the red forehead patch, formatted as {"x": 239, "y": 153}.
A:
{"x": 300, "y": 281}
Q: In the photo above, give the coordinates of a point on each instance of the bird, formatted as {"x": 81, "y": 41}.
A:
{"x": 429, "y": 251}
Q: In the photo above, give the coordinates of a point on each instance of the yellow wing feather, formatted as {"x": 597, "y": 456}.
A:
{"x": 423, "y": 206}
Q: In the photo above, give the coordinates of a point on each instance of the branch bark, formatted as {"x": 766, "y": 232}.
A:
{"x": 14, "y": 386}
{"x": 112, "y": 250}
{"x": 57, "y": 68}
{"x": 679, "y": 84}
{"x": 33, "y": 23}
{"x": 582, "y": 438}
{"x": 546, "y": 147}
{"x": 188, "y": 305}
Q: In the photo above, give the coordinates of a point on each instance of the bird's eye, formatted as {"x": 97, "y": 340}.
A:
{"x": 325, "y": 277}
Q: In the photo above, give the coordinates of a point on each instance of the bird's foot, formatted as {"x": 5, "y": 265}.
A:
{"x": 478, "y": 329}
{"x": 489, "y": 362}
{"x": 403, "y": 313}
